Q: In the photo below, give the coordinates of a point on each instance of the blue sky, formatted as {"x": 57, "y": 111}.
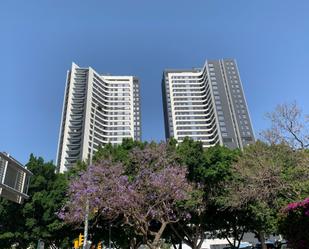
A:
{"x": 40, "y": 39}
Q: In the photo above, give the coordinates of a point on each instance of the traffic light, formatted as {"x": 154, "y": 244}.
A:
{"x": 99, "y": 245}
{"x": 76, "y": 246}
{"x": 80, "y": 240}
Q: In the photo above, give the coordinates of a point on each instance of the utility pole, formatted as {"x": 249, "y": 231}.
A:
{"x": 109, "y": 236}
{"x": 86, "y": 221}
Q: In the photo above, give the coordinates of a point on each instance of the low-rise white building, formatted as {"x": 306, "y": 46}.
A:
{"x": 14, "y": 179}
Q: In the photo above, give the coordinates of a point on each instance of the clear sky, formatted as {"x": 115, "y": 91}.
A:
{"x": 40, "y": 39}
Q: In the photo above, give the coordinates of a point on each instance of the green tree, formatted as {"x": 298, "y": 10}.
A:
{"x": 209, "y": 169}
{"x": 118, "y": 152}
{"x": 23, "y": 225}
{"x": 267, "y": 178}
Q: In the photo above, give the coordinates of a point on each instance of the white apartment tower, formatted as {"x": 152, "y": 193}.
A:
{"x": 207, "y": 104}
{"x": 97, "y": 110}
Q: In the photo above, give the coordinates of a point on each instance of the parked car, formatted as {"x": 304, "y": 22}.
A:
{"x": 243, "y": 245}
{"x": 247, "y": 247}
{"x": 284, "y": 245}
{"x": 269, "y": 244}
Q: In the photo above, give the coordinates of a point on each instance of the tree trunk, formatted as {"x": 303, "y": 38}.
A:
{"x": 179, "y": 243}
{"x": 262, "y": 240}
{"x": 156, "y": 242}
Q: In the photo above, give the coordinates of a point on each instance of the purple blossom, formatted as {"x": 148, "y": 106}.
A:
{"x": 159, "y": 183}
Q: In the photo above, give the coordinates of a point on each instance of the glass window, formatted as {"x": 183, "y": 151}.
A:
{"x": 220, "y": 112}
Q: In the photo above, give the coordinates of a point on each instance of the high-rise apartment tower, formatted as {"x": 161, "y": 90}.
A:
{"x": 207, "y": 104}
{"x": 97, "y": 109}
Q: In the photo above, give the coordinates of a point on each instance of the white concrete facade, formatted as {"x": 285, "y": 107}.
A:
{"x": 207, "y": 105}
{"x": 97, "y": 109}
{"x": 14, "y": 179}
{"x": 191, "y": 113}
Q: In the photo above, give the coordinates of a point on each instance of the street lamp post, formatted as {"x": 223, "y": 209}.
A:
{"x": 109, "y": 236}
{"x": 86, "y": 221}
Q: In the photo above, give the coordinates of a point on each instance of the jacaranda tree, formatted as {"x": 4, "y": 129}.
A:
{"x": 145, "y": 199}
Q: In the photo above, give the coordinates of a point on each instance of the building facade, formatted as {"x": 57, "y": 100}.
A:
{"x": 14, "y": 179}
{"x": 97, "y": 109}
{"x": 207, "y": 104}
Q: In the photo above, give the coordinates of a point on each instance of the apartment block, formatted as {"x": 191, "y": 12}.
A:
{"x": 207, "y": 104}
{"x": 97, "y": 110}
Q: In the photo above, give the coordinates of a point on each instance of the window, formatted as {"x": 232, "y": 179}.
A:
{"x": 220, "y": 112}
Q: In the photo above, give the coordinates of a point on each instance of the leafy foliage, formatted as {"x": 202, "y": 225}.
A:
{"x": 36, "y": 218}
{"x": 147, "y": 191}
{"x": 267, "y": 177}
{"x": 294, "y": 224}
{"x": 208, "y": 170}
{"x": 145, "y": 201}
